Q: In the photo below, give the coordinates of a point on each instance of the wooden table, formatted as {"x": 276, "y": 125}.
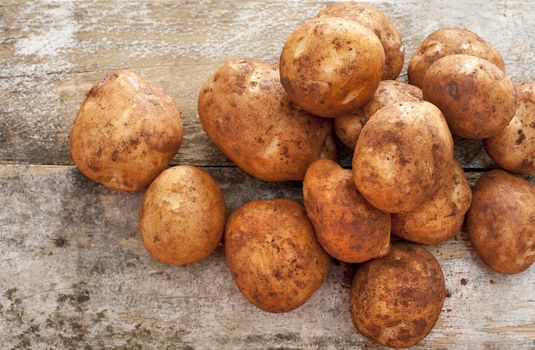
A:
{"x": 73, "y": 271}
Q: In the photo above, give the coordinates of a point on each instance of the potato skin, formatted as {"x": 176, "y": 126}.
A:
{"x": 348, "y": 127}
{"x": 347, "y": 226}
{"x": 445, "y": 42}
{"x": 330, "y": 66}
{"x": 513, "y": 148}
{"x": 476, "y": 97}
{"x": 401, "y": 156}
{"x": 126, "y": 132}
{"x": 397, "y": 299}
{"x": 273, "y": 255}
{"x": 501, "y": 222}
{"x": 440, "y": 218}
{"x": 247, "y": 114}
{"x": 173, "y": 220}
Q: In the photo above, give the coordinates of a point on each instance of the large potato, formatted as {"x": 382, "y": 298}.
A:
{"x": 126, "y": 132}
{"x": 501, "y": 222}
{"x": 273, "y": 254}
{"x": 401, "y": 156}
{"x": 330, "y": 66}
{"x": 445, "y": 42}
{"x": 397, "y": 299}
{"x": 441, "y": 217}
{"x": 347, "y": 226}
{"x": 245, "y": 111}
{"x": 182, "y": 216}
{"x": 476, "y": 97}
{"x": 348, "y": 127}
{"x": 513, "y": 148}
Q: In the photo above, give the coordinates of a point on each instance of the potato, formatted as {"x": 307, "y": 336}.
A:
{"x": 440, "y": 218}
{"x": 397, "y": 299}
{"x": 273, "y": 255}
{"x": 374, "y": 19}
{"x": 245, "y": 111}
{"x": 331, "y": 66}
{"x": 513, "y": 148}
{"x": 401, "y": 156}
{"x": 348, "y": 127}
{"x": 501, "y": 222}
{"x": 182, "y": 216}
{"x": 125, "y": 133}
{"x": 347, "y": 226}
{"x": 445, "y": 42}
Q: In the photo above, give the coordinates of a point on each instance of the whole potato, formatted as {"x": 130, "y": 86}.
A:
{"x": 245, "y": 111}
{"x": 476, "y": 97}
{"x": 513, "y": 148}
{"x": 501, "y": 222}
{"x": 375, "y": 20}
{"x": 347, "y": 226}
{"x": 397, "y": 299}
{"x": 125, "y": 133}
{"x": 445, "y": 42}
{"x": 440, "y": 218}
{"x": 330, "y": 66}
{"x": 273, "y": 254}
{"x": 401, "y": 156}
{"x": 182, "y": 216}
{"x": 348, "y": 127}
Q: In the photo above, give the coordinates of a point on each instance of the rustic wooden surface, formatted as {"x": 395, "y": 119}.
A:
{"x": 74, "y": 273}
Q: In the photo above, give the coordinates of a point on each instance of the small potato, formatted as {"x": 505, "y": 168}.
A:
{"x": 348, "y": 127}
{"x": 375, "y": 20}
{"x": 476, "y": 97}
{"x": 513, "y": 148}
{"x": 401, "y": 156}
{"x": 330, "y": 66}
{"x": 126, "y": 132}
{"x": 501, "y": 222}
{"x": 397, "y": 299}
{"x": 247, "y": 114}
{"x": 347, "y": 226}
{"x": 182, "y": 216}
{"x": 445, "y": 42}
{"x": 273, "y": 254}
{"x": 440, "y": 218}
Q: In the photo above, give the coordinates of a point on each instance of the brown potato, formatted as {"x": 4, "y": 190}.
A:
{"x": 401, "y": 156}
{"x": 347, "y": 226}
{"x": 440, "y": 218}
{"x": 513, "y": 148}
{"x": 126, "y": 132}
{"x": 348, "y": 127}
{"x": 445, "y": 42}
{"x": 501, "y": 222}
{"x": 397, "y": 299}
{"x": 330, "y": 66}
{"x": 476, "y": 97}
{"x": 182, "y": 216}
{"x": 375, "y": 20}
{"x": 245, "y": 111}
{"x": 273, "y": 254}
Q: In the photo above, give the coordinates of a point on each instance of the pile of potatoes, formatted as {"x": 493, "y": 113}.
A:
{"x": 277, "y": 122}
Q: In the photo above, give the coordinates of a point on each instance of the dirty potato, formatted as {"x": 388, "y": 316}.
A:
{"x": 401, "y": 156}
{"x": 330, "y": 66}
{"x": 182, "y": 216}
{"x": 273, "y": 254}
{"x": 501, "y": 222}
{"x": 347, "y": 226}
{"x": 397, "y": 299}
{"x": 125, "y": 133}
{"x": 246, "y": 113}
{"x": 375, "y": 20}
